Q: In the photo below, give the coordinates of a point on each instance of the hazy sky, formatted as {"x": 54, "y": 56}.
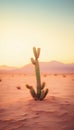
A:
{"x": 48, "y": 24}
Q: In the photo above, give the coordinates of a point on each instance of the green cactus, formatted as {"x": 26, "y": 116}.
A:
{"x": 43, "y": 94}
{"x": 40, "y": 94}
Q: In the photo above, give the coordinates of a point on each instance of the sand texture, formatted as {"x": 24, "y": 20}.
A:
{"x": 18, "y": 111}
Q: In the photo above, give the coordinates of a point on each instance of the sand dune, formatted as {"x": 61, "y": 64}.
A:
{"x": 18, "y": 111}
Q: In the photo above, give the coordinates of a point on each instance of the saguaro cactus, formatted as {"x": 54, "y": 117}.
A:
{"x": 40, "y": 94}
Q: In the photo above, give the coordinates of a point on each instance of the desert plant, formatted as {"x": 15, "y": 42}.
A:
{"x": 0, "y": 80}
{"x": 18, "y": 87}
{"x": 64, "y": 75}
{"x": 40, "y": 94}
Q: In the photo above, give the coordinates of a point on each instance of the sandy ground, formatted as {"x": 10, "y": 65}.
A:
{"x": 18, "y": 111}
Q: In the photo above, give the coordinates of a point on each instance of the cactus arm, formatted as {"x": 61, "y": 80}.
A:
{"x": 32, "y": 91}
{"x": 38, "y": 52}
{"x": 28, "y": 86}
{"x": 33, "y": 94}
{"x": 35, "y": 52}
{"x": 43, "y": 85}
{"x": 33, "y": 61}
{"x": 43, "y": 94}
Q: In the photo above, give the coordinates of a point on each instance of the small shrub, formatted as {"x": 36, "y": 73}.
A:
{"x": 55, "y": 74}
{"x": 64, "y": 75}
{"x": 18, "y": 87}
{"x": 45, "y": 75}
{"x": 0, "y": 80}
{"x": 72, "y": 79}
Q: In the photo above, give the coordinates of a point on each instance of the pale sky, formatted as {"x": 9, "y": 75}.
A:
{"x": 48, "y": 24}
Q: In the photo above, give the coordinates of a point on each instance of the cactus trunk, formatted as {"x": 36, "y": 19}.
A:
{"x": 37, "y": 71}
{"x": 40, "y": 94}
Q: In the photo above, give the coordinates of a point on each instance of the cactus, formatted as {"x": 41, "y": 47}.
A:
{"x": 40, "y": 94}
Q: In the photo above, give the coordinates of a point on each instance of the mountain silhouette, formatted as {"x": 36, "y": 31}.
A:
{"x": 45, "y": 67}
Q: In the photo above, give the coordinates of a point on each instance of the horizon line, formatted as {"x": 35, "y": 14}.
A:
{"x": 16, "y": 66}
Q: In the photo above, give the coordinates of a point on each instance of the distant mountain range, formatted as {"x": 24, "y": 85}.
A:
{"x": 45, "y": 67}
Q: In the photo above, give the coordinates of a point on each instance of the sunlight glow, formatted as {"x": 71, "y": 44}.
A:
{"x": 19, "y": 32}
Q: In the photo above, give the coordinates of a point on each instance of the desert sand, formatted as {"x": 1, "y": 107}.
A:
{"x": 19, "y": 111}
